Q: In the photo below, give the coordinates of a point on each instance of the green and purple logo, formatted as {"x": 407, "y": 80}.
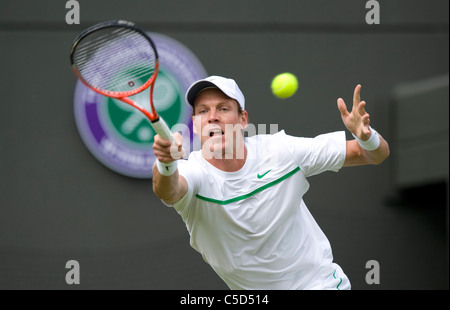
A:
{"x": 120, "y": 136}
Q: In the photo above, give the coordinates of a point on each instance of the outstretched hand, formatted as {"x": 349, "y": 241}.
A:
{"x": 357, "y": 121}
{"x": 167, "y": 151}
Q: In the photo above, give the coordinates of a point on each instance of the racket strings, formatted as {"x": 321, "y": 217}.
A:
{"x": 115, "y": 59}
{"x": 107, "y": 52}
{"x": 111, "y": 56}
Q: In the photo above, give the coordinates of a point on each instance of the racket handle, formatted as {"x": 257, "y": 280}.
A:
{"x": 162, "y": 129}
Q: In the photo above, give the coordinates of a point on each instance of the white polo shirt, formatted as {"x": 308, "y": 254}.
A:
{"x": 252, "y": 226}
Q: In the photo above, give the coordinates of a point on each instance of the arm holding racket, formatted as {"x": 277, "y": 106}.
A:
{"x": 173, "y": 187}
{"x": 369, "y": 148}
{"x": 118, "y": 60}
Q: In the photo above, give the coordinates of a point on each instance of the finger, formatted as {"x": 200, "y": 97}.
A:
{"x": 342, "y": 107}
{"x": 361, "y": 108}
{"x": 163, "y": 157}
{"x": 176, "y": 149}
{"x": 165, "y": 160}
{"x": 178, "y": 139}
{"x": 162, "y": 142}
{"x": 162, "y": 152}
{"x": 367, "y": 130}
{"x": 357, "y": 96}
{"x": 365, "y": 119}
{"x": 183, "y": 153}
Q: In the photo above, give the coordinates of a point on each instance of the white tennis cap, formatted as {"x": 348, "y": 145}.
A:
{"x": 227, "y": 86}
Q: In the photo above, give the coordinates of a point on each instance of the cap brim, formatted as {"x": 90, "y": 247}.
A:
{"x": 195, "y": 89}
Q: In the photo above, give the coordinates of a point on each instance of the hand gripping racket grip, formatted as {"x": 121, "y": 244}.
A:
{"x": 162, "y": 129}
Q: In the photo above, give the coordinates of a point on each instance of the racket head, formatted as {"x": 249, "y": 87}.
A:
{"x": 115, "y": 58}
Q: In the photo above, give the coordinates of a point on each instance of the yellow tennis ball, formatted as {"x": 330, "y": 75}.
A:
{"x": 284, "y": 85}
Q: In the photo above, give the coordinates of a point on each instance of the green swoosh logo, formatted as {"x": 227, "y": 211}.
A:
{"x": 260, "y": 176}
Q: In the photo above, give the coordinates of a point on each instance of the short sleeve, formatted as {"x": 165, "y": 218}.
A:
{"x": 325, "y": 152}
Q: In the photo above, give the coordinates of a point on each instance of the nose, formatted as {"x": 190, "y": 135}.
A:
{"x": 212, "y": 117}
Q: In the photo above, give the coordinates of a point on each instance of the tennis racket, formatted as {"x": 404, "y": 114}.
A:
{"x": 118, "y": 60}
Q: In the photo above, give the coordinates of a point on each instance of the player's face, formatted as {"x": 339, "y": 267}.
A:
{"x": 217, "y": 121}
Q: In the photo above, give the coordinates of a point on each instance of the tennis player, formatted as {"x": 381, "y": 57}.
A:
{"x": 242, "y": 197}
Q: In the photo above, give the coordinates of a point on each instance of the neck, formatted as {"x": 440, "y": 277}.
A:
{"x": 230, "y": 162}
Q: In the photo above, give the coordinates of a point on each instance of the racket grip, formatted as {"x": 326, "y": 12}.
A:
{"x": 162, "y": 129}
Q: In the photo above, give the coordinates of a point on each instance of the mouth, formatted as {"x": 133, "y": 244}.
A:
{"x": 216, "y": 132}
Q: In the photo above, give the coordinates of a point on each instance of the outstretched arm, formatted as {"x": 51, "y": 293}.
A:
{"x": 358, "y": 123}
{"x": 169, "y": 185}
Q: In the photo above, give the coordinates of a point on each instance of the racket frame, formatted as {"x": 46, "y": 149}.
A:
{"x": 123, "y": 96}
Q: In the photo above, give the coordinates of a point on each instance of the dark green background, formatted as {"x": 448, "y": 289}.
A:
{"x": 59, "y": 203}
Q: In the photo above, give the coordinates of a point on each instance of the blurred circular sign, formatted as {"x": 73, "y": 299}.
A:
{"x": 121, "y": 137}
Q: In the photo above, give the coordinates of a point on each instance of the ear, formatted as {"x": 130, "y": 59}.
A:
{"x": 244, "y": 119}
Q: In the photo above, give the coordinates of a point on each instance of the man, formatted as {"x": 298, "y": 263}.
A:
{"x": 241, "y": 198}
